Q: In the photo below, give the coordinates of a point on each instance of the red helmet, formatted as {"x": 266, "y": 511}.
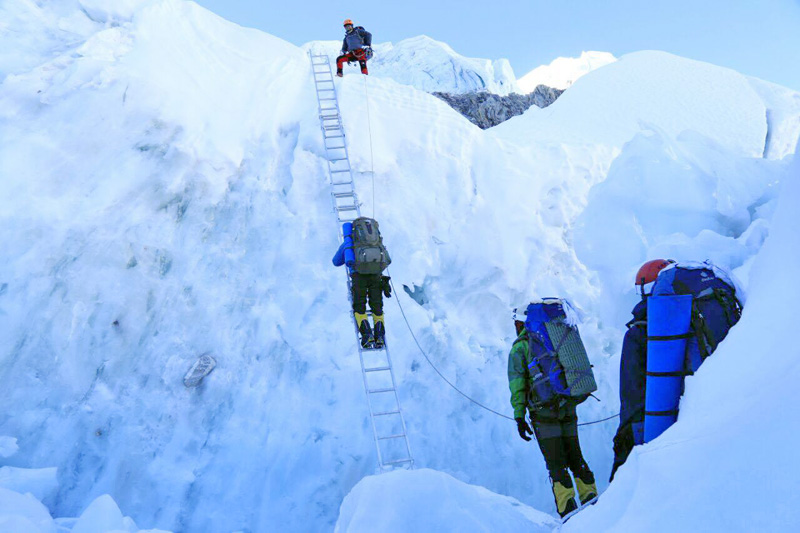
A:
{"x": 649, "y": 271}
{"x": 347, "y": 21}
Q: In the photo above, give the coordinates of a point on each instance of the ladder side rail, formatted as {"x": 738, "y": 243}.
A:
{"x": 397, "y": 400}
{"x": 330, "y": 120}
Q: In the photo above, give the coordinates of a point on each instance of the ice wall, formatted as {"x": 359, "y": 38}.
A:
{"x": 164, "y": 196}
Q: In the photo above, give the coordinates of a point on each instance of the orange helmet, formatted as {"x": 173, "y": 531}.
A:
{"x": 347, "y": 21}
{"x": 649, "y": 271}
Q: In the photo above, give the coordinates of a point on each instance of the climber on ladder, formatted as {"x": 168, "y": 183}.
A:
{"x": 356, "y": 46}
{"x": 366, "y": 259}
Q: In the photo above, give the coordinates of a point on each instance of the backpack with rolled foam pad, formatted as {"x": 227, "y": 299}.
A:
{"x": 715, "y": 305}
{"x": 690, "y": 311}
{"x": 369, "y": 254}
{"x": 559, "y": 364}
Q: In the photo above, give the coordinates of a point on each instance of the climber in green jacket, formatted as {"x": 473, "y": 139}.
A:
{"x": 555, "y": 423}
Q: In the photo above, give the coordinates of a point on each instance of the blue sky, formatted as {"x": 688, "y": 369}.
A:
{"x": 756, "y": 37}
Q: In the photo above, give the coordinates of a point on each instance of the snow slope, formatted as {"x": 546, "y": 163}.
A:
{"x": 562, "y": 72}
{"x": 430, "y": 66}
{"x": 165, "y": 197}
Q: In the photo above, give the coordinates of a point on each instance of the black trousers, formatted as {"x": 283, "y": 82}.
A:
{"x": 556, "y": 430}
{"x": 367, "y": 287}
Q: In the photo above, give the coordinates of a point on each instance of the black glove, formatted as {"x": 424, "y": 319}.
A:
{"x": 387, "y": 287}
{"x": 523, "y": 428}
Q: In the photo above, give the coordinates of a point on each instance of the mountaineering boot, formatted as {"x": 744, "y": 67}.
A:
{"x": 339, "y": 74}
{"x": 365, "y": 330}
{"x": 586, "y": 491}
{"x": 380, "y": 331}
{"x": 565, "y": 499}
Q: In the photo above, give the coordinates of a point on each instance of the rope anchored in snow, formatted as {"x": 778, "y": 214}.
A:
{"x": 462, "y": 393}
{"x": 371, "y": 156}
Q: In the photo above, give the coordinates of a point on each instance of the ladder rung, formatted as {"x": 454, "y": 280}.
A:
{"x": 333, "y": 137}
{"x": 346, "y": 207}
{"x": 326, "y": 99}
{"x": 345, "y": 195}
{"x": 377, "y": 369}
{"x": 375, "y": 391}
{"x": 342, "y": 170}
{"x": 335, "y": 159}
{"x": 326, "y": 90}
{"x": 399, "y": 461}
{"x": 400, "y": 436}
{"x": 386, "y": 413}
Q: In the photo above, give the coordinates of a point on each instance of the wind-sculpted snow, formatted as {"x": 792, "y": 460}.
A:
{"x": 486, "y": 109}
{"x": 673, "y": 93}
{"x": 164, "y": 196}
{"x": 562, "y": 72}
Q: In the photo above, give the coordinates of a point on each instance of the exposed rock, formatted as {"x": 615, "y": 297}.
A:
{"x": 485, "y": 109}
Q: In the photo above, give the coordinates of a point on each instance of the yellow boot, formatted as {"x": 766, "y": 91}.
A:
{"x": 586, "y": 491}
{"x": 364, "y": 330}
{"x": 379, "y": 331}
{"x": 565, "y": 498}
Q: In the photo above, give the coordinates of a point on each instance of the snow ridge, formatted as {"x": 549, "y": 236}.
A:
{"x": 562, "y": 72}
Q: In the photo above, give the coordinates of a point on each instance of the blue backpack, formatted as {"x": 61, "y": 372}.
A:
{"x": 715, "y": 305}
{"x": 559, "y": 366}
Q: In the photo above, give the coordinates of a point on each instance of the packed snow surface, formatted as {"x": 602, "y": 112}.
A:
{"x": 427, "y": 500}
{"x": 562, "y": 72}
{"x": 164, "y": 196}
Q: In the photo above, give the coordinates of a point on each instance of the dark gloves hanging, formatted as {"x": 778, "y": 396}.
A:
{"x": 523, "y": 428}
{"x": 387, "y": 287}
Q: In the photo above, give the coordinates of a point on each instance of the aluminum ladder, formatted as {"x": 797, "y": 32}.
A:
{"x": 386, "y": 416}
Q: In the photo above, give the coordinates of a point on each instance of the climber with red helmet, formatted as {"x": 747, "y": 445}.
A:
{"x": 356, "y": 46}
{"x": 633, "y": 368}
{"x": 716, "y": 308}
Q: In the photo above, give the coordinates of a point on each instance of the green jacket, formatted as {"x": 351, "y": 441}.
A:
{"x": 518, "y": 376}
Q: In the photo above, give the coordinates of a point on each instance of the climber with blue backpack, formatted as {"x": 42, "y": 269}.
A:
{"x": 356, "y": 46}
{"x": 366, "y": 257}
{"x": 686, "y": 310}
{"x": 549, "y": 374}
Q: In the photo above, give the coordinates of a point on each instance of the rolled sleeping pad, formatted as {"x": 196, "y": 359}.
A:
{"x": 668, "y": 328}
{"x": 349, "y": 254}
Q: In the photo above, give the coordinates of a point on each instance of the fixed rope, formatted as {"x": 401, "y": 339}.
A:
{"x": 462, "y": 393}
{"x": 371, "y": 157}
